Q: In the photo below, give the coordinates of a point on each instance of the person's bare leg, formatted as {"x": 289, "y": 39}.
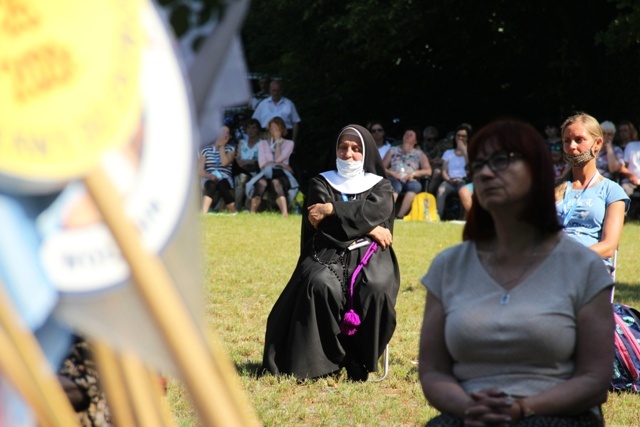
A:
{"x": 465, "y": 199}
{"x": 206, "y": 203}
{"x": 281, "y": 201}
{"x": 231, "y": 207}
{"x": 405, "y": 206}
{"x": 255, "y": 204}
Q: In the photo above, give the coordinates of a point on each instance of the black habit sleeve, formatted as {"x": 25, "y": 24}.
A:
{"x": 351, "y": 219}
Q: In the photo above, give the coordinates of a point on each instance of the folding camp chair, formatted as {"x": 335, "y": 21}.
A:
{"x": 385, "y": 363}
{"x": 614, "y": 261}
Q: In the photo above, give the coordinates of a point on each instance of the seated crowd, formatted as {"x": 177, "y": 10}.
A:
{"x": 245, "y": 169}
{"x": 253, "y": 171}
{"x": 539, "y": 205}
{"x": 424, "y": 163}
{"x": 248, "y": 166}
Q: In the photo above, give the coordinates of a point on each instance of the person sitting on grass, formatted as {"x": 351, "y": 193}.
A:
{"x": 275, "y": 172}
{"x": 215, "y": 167}
{"x": 406, "y": 165}
{"x": 454, "y": 168}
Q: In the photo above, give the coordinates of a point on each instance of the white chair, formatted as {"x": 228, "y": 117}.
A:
{"x": 614, "y": 261}
{"x": 385, "y": 363}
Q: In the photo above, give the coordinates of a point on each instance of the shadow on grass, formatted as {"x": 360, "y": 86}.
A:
{"x": 627, "y": 292}
{"x": 249, "y": 368}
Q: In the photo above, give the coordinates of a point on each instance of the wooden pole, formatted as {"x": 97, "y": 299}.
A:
{"x": 111, "y": 379}
{"x": 51, "y": 402}
{"x": 158, "y": 394}
{"x": 146, "y": 401}
{"x": 16, "y": 373}
{"x": 203, "y": 375}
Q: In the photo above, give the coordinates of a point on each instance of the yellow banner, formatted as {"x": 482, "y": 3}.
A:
{"x": 69, "y": 84}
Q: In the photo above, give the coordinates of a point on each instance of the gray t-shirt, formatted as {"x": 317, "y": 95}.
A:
{"x": 523, "y": 340}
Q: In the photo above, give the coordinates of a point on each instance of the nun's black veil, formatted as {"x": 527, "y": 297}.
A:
{"x": 372, "y": 161}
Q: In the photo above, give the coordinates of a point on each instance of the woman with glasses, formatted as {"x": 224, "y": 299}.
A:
{"x": 591, "y": 208}
{"x": 382, "y": 142}
{"x": 454, "y": 168}
{"x": 486, "y": 354}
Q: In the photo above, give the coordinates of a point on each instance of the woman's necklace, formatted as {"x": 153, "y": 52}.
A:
{"x": 504, "y": 300}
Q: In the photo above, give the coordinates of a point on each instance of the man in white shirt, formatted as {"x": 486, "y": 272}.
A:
{"x": 278, "y": 105}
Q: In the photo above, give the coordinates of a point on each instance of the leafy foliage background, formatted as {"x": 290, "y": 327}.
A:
{"x": 442, "y": 62}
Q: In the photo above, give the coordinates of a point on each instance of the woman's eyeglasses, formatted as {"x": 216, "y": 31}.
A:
{"x": 377, "y": 130}
{"x": 498, "y": 162}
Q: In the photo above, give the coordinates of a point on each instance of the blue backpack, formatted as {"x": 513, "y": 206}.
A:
{"x": 626, "y": 365}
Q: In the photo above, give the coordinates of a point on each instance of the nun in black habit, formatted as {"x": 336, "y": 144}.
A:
{"x": 327, "y": 317}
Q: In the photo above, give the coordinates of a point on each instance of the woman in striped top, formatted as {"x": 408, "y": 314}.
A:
{"x": 215, "y": 166}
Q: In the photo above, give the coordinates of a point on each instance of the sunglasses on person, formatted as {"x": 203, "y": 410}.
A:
{"x": 498, "y": 162}
{"x": 377, "y": 130}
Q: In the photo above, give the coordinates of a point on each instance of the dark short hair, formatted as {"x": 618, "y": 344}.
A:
{"x": 464, "y": 127}
{"x": 632, "y": 129}
{"x": 372, "y": 123}
{"x": 430, "y": 129}
{"x": 416, "y": 130}
{"x": 253, "y": 122}
{"x": 522, "y": 138}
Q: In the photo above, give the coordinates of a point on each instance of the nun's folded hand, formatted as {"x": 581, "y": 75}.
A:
{"x": 381, "y": 236}
{"x": 318, "y": 211}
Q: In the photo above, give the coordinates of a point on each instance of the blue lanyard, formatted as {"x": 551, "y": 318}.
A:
{"x": 567, "y": 216}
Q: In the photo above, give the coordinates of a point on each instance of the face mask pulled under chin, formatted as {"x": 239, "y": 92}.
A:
{"x": 349, "y": 168}
{"x": 577, "y": 160}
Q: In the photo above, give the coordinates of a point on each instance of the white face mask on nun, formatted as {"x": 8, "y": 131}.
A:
{"x": 349, "y": 177}
{"x": 349, "y": 168}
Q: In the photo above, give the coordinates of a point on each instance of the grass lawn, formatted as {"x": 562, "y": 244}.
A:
{"x": 248, "y": 259}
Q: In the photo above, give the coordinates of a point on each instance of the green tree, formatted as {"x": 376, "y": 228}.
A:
{"x": 622, "y": 42}
{"x": 439, "y": 62}
{"x": 623, "y": 31}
